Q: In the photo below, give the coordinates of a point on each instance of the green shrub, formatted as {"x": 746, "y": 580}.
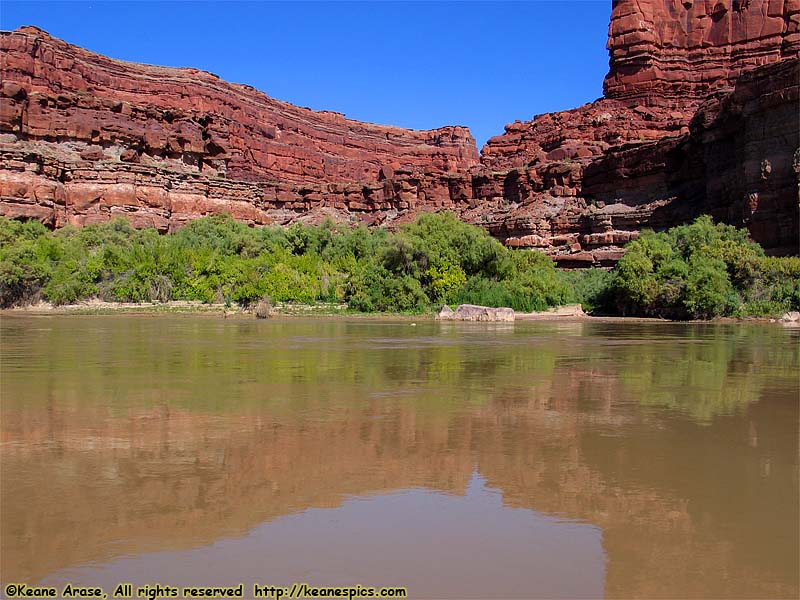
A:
{"x": 445, "y": 282}
{"x": 591, "y": 288}
{"x": 441, "y": 240}
{"x": 708, "y": 290}
{"x": 489, "y": 292}
{"x": 703, "y": 270}
{"x": 377, "y": 289}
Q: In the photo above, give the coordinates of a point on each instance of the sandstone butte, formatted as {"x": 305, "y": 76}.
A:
{"x": 700, "y": 114}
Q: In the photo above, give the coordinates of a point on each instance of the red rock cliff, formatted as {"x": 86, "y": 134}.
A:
{"x": 664, "y": 51}
{"x": 700, "y": 116}
{"x": 188, "y": 115}
{"x": 84, "y": 138}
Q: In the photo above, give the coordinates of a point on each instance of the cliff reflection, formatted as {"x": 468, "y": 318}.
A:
{"x": 123, "y": 436}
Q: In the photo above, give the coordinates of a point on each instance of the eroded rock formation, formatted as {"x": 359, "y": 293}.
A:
{"x": 700, "y": 115}
{"x": 667, "y": 51}
{"x": 86, "y": 137}
{"x": 471, "y": 312}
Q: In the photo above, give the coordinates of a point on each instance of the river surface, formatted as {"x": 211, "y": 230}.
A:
{"x": 458, "y": 460}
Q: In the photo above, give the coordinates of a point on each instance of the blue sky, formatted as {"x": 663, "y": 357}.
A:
{"x": 413, "y": 64}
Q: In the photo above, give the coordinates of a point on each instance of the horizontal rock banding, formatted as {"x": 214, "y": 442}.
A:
{"x": 663, "y": 50}
{"x": 61, "y": 92}
{"x": 696, "y": 120}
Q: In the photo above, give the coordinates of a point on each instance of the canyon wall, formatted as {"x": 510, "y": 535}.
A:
{"x": 667, "y": 51}
{"x": 85, "y": 138}
{"x": 700, "y": 115}
{"x": 61, "y": 93}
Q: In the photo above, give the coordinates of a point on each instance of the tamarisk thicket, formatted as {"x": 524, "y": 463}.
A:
{"x": 700, "y": 270}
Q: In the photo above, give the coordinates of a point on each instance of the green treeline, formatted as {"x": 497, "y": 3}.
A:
{"x": 699, "y": 270}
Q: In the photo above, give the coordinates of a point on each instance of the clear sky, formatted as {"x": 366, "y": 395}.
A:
{"x": 413, "y": 64}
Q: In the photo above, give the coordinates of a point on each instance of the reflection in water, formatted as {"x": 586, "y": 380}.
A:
{"x": 378, "y": 540}
{"x": 177, "y": 441}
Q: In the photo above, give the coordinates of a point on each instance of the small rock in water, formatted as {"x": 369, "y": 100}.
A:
{"x": 263, "y": 308}
{"x": 445, "y": 313}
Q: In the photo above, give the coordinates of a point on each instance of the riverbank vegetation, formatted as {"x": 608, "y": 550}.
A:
{"x": 700, "y": 270}
{"x": 703, "y": 270}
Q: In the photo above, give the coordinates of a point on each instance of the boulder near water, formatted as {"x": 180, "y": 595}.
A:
{"x": 472, "y": 312}
{"x": 263, "y": 309}
{"x": 445, "y": 313}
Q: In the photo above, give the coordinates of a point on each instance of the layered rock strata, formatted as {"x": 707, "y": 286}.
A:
{"x": 85, "y": 137}
{"x": 700, "y": 116}
{"x": 663, "y": 51}
{"x": 190, "y": 119}
{"x": 737, "y": 159}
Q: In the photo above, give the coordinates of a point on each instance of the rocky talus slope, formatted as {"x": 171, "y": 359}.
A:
{"x": 700, "y": 115}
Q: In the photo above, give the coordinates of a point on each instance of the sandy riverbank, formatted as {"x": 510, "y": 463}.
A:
{"x": 98, "y": 307}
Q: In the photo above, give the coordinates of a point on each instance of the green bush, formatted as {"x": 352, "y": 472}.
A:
{"x": 440, "y": 240}
{"x": 489, "y": 292}
{"x": 445, "y": 282}
{"x": 703, "y": 270}
{"x": 591, "y": 288}
{"x": 377, "y": 289}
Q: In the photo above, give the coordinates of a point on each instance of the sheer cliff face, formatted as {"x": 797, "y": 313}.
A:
{"x": 664, "y": 51}
{"x": 194, "y": 118}
{"x": 700, "y": 116}
{"x": 84, "y": 138}
{"x": 665, "y": 58}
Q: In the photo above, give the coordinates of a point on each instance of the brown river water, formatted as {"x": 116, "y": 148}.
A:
{"x": 458, "y": 460}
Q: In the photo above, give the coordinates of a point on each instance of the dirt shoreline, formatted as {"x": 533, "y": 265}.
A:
{"x": 327, "y": 311}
